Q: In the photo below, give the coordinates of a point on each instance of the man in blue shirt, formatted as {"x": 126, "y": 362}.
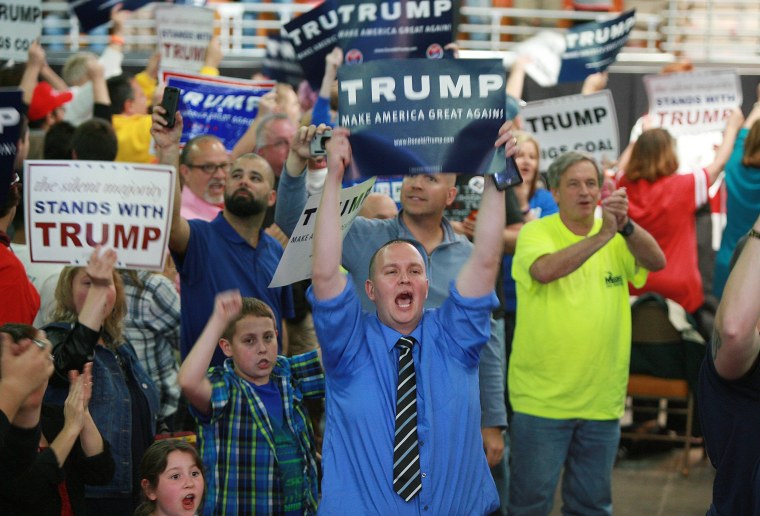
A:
{"x": 361, "y": 362}
{"x": 231, "y": 251}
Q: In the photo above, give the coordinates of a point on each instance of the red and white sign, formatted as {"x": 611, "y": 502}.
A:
{"x": 183, "y": 32}
{"x": 74, "y": 206}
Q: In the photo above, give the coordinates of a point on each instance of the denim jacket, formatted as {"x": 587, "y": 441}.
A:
{"x": 75, "y": 345}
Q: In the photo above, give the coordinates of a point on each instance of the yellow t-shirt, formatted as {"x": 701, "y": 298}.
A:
{"x": 572, "y": 344}
{"x": 133, "y": 135}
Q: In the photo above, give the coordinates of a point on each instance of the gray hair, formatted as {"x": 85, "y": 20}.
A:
{"x": 567, "y": 160}
{"x": 75, "y": 68}
{"x": 261, "y": 129}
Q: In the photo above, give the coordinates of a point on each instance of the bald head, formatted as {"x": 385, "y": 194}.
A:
{"x": 378, "y": 206}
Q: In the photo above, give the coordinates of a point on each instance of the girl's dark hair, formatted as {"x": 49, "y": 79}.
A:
{"x": 154, "y": 462}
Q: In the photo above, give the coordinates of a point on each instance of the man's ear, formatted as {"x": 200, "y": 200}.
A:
{"x": 369, "y": 288}
{"x": 272, "y": 198}
{"x": 555, "y": 194}
{"x": 150, "y": 493}
{"x": 226, "y": 347}
{"x": 451, "y": 195}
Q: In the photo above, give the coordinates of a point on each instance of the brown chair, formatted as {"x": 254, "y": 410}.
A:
{"x": 655, "y": 339}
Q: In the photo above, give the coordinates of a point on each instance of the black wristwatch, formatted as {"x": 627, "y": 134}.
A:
{"x": 627, "y": 229}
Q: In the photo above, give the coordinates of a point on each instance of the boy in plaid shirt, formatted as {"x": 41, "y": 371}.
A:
{"x": 255, "y": 435}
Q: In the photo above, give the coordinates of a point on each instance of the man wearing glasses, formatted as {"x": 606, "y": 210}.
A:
{"x": 203, "y": 166}
{"x": 229, "y": 252}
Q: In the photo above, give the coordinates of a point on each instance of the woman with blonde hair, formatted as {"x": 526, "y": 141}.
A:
{"x": 88, "y": 317}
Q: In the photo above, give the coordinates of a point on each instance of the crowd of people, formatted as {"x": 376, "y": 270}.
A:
{"x": 434, "y": 363}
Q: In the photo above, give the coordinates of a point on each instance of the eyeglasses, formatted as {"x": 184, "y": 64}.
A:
{"x": 210, "y": 168}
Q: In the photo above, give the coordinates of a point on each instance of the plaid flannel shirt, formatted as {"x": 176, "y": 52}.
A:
{"x": 242, "y": 475}
{"x": 152, "y": 327}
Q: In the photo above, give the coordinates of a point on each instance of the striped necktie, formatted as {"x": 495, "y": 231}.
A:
{"x": 406, "y": 453}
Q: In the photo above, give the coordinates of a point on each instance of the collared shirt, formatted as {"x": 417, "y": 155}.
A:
{"x": 152, "y": 327}
{"x": 237, "y": 444}
{"x": 193, "y": 207}
{"x": 219, "y": 259}
{"x": 361, "y": 366}
{"x": 442, "y": 264}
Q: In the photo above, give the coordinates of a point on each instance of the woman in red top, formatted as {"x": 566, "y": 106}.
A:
{"x": 664, "y": 203}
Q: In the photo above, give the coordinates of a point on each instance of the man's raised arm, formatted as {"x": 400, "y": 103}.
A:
{"x": 326, "y": 279}
{"x": 167, "y": 147}
{"x": 736, "y": 342}
{"x": 291, "y": 192}
{"x": 478, "y": 275}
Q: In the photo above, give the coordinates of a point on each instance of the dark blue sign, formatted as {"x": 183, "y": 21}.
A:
{"x": 10, "y": 125}
{"x": 415, "y": 116}
{"x": 593, "y": 47}
{"x": 369, "y": 31}
{"x": 94, "y": 13}
{"x": 314, "y": 34}
{"x": 280, "y": 63}
{"x": 215, "y": 105}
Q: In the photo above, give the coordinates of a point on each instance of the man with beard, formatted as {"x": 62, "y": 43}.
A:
{"x": 230, "y": 252}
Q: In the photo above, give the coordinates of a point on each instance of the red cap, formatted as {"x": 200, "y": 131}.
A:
{"x": 45, "y": 99}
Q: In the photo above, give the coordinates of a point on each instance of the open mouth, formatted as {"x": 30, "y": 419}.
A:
{"x": 404, "y": 300}
{"x": 188, "y": 502}
{"x": 263, "y": 363}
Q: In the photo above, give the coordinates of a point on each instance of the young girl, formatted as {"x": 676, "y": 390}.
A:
{"x": 172, "y": 479}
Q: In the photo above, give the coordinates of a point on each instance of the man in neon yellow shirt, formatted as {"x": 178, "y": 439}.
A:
{"x": 569, "y": 365}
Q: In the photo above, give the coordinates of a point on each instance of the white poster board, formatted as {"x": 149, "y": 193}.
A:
{"x": 576, "y": 122}
{"x": 693, "y": 102}
{"x": 20, "y": 25}
{"x": 73, "y": 206}
{"x": 295, "y": 264}
{"x": 183, "y": 32}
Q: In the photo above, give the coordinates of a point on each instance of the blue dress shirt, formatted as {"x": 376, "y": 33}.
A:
{"x": 361, "y": 364}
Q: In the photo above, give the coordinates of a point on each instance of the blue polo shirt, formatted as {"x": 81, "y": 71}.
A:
{"x": 219, "y": 259}
{"x": 361, "y": 368}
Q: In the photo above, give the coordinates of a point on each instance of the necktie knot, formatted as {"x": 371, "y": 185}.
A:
{"x": 406, "y": 343}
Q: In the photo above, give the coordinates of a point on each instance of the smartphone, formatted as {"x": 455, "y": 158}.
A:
{"x": 504, "y": 170}
{"x": 317, "y": 147}
{"x": 169, "y": 103}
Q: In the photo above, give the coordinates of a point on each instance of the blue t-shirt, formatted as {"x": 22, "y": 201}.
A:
{"x": 219, "y": 259}
{"x": 289, "y": 457}
{"x": 730, "y": 416}
{"x": 541, "y": 204}
{"x": 361, "y": 369}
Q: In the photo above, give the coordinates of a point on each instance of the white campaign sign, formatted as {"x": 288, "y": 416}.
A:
{"x": 576, "y": 122}
{"x": 544, "y": 51}
{"x": 73, "y": 206}
{"x": 295, "y": 264}
{"x": 20, "y": 25}
{"x": 693, "y": 102}
{"x": 183, "y": 35}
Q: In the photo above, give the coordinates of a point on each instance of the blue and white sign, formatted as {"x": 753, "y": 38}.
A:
{"x": 222, "y": 106}
{"x": 369, "y": 31}
{"x": 94, "y": 13}
{"x": 593, "y": 47}
{"x": 415, "y": 116}
{"x": 314, "y": 34}
{"x": 10, "y": 125}
{"x": 280, "y": 63}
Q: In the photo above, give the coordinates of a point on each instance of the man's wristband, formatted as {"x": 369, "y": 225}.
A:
{"x": 754, "y": 233}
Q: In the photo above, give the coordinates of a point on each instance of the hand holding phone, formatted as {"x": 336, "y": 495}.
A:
{"x": 504, "y": 172}
{"x": 169, "y": 103}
